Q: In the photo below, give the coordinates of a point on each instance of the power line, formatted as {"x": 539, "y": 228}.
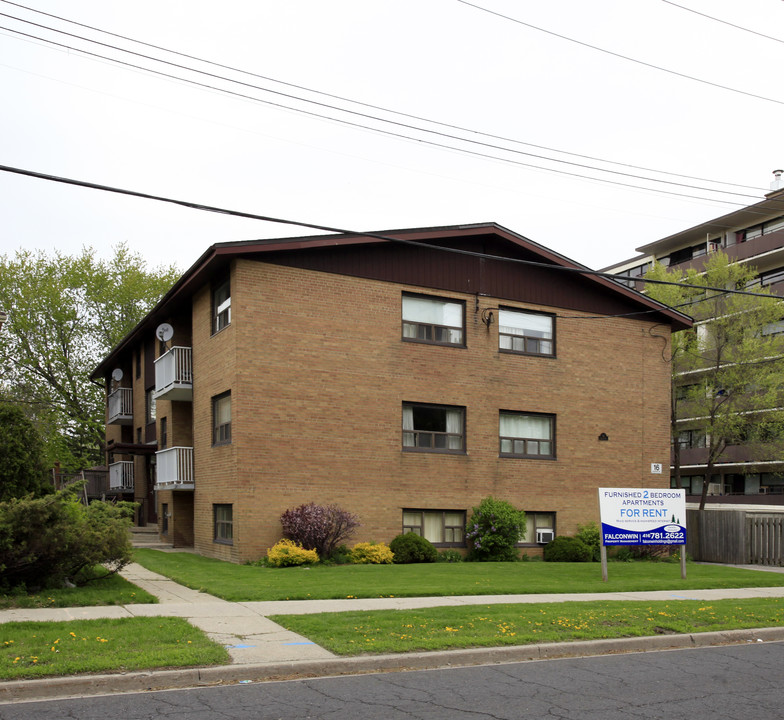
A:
{"x": 582, "y": 270}
{"x": 725, "y": 22}
{"x": 621, "y": 56}
{"x": 379, "y": 119}
{"x": 364, "y": 104}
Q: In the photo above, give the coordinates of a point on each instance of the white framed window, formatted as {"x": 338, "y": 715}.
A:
{"x": 527, "y": 435}
{"x": 221, "y": 419}
{"x": 440, "y": 527}
{"x": 525, "y": 332}
{"x": 433, "y": 428}
{"x": 221, "y": 306}
{"x": 434, "y": 320}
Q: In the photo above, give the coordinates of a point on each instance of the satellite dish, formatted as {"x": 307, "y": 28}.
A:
{"x": 117, "y": 374}
{"x": 164, "y": 332}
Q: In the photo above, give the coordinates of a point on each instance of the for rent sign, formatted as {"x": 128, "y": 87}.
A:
{"x": 631, "y": 516}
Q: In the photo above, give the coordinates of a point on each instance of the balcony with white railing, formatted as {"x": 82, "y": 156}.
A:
{"x": 120, "y": 404}
{"x": 174, "y": 374}
{"x": 175, "y": 469}
{"x": 121, "y": 476}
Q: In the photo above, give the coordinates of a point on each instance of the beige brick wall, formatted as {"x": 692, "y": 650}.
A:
{"x": 318, "y": 374}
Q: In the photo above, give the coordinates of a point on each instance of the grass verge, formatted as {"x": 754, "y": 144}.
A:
{"x": 449, "y": 628}
{"x": 42, "y": 649}
{"x": 112, "y": 590}
{"x": 248, "y": 583}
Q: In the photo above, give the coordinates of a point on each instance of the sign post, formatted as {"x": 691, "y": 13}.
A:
{"x": 635, "y": 516}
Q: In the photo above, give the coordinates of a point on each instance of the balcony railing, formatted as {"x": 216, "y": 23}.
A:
{"x": 121, "y": 476}
{"x": 120, "y": 403}
{"x": 175, "y": 469}
{"x": 174, "y": 374}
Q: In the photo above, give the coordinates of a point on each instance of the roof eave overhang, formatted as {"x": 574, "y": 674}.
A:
{"x": 220, "y": 254}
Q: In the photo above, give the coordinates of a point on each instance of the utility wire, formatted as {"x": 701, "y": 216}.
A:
{"x": 725, "y": 22}
{"x": 582, "y": 270}
{"x": 622, "y": 57}
{"x": 431, "y": 143}
{"x": 367, "y": 116}
{"x": 363, "y": 104}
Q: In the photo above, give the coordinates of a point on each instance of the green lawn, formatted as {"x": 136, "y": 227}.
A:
{"x": 41, "y": 649}
{"x": 247, "y": 583}
{"x": 112, "y": 590}
{"x": 445, "y": 628}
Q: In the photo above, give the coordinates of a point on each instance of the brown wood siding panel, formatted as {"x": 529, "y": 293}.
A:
{"x": 511, "y": 281}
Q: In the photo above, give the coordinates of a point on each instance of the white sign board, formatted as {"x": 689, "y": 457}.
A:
{"x": 634, "y": 516}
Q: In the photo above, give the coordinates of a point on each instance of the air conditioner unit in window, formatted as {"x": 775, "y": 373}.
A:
{"x": 544, "y": 536}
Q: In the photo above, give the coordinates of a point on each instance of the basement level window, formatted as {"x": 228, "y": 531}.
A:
{"x": 223, "y": 515}
{"x": 445, "y": 528}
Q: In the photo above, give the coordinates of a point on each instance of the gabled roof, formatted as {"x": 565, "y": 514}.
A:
{"x": 482, "y": 259}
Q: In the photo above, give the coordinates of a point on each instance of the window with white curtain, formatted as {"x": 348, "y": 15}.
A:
{"x": 525, "y": 332}
{"x": 539, "y": 528}
{"x": 436, "y": 428}
{"x": 440, "y": 527}
{"x": 221, "y": 419}
{"x": 432, "y": 320}
{"x": 527, "y": 434}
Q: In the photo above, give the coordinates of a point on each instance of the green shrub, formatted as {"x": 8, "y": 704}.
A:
{"x": 412, "y": 548}
{"x": 341, "y": 555}
{"x": 494, "y": 530}
{"x": 450, "y": 556}
{"x": 47, "y": 541}
{"x": 567, "y": 549}
{"x": 369, "y": 553}
{"x": 591, "y": 535}
{"x": 651, "y": 553}
{"x": 287, "y": 553}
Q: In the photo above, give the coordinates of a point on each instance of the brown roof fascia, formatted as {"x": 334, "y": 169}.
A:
{"x": 221, "y": 254}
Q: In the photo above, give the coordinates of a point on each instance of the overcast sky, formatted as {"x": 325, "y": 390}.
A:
{"x": 515, "y": 86}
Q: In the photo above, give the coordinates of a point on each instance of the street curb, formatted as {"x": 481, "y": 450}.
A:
{"x": 88, "y": 685}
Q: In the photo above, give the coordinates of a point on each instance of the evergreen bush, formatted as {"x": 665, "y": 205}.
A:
{"x": 412, "y": 548}
{"x": 47, "y": 541}
{"x": 567, "y": 549}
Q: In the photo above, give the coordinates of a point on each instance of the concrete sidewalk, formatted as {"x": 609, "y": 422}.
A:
{"x": 262, "y": 650}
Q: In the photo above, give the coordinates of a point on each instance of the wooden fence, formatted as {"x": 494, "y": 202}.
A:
{"x": 737, "y": 537}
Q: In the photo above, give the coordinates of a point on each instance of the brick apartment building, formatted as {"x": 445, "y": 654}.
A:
{"x": 752, "y": 235}
{"x": 392, "y": 376}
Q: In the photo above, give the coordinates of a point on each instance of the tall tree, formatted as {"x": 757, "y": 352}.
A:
{"x": 21, "y": 455}
{"x": 64, "y": 314}
{"x": 727, "y": 369}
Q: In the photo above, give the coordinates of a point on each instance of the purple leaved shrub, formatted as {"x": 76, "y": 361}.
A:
{"x": 319, "y": 527}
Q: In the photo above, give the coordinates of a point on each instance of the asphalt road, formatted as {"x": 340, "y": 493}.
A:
{"x": 718, "y": 683}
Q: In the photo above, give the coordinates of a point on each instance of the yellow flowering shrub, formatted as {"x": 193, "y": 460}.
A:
{"x": 371, "y": 553}
{"x": 287, "y": 553}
